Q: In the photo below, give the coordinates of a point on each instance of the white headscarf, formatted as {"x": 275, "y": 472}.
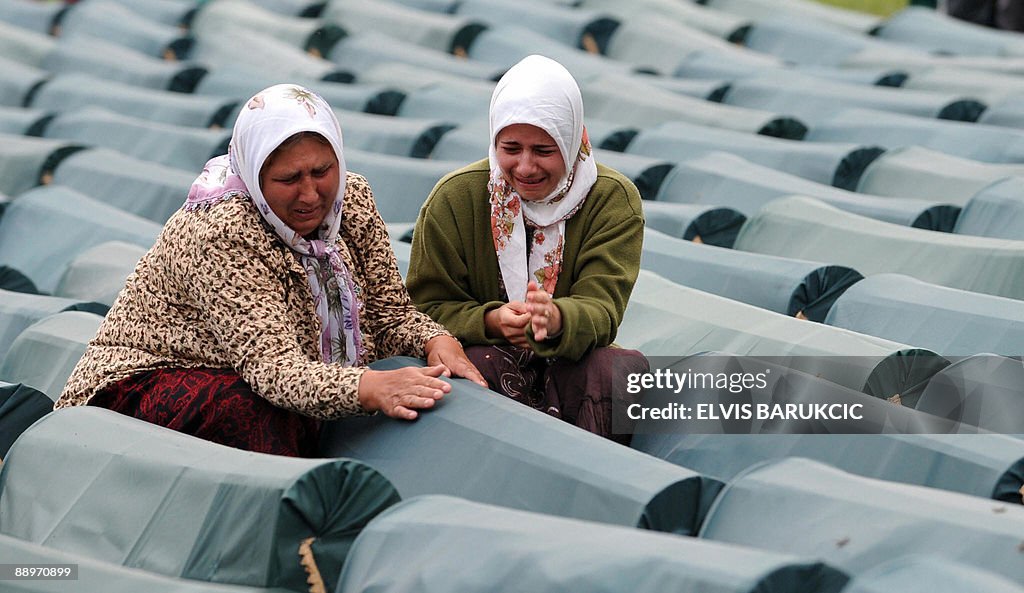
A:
{"x": 269, "y": 118}
{"x": 538, "y": 91}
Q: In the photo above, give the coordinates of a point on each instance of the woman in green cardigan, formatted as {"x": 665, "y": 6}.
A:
{"x": 529, "y": 256}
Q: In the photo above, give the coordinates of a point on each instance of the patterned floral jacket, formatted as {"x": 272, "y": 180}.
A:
{"x": 219, "y": 289}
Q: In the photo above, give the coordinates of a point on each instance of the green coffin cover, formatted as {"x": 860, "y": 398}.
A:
{"x": 16, "y": 120}
{"x": 246, "y": 81}
{"x": 985, "y": 390}
{"x": 708, "y": 224}
{"x": 24, "y": 159}
{"x": 98, "y": 274}
{"x": 778, "y": 284}
{"x": 666, "y": 319}
{"x": 995, "y": 211}
{"x": 440, "y": 544}
{"x": 950, "y": 321}
{"x": 112, "y": 61}
{"x": 400, "y": 184}
{"x": 928, "y": 174}
{"x": 143, "y": 187}
{"x": 920, "y": 573}
{"x": 24, "y": 47}
{"x": 18, "y": 310}
{"x": 46, "y": 228}
{"x": 632, "y": 101}
{"x": 478, "y": 445}
{"x": 431, "y": 30}
{"x": 160, "y": 146}
{"x": 115, "y": 21}
{"x": 46, "y": 352}
{"x": 857, "y": 523}
{"x": 65, "y": 92}
{"x": 214, "y": 16}
{"x": 94, "y": 482}
{"x": 810, "y": 229}
{"x": 94, "y": 576}
{"x": 936, "y": 31}
{"x": 987, "y": 465}
{"x": 725, "y": 179}
{"x": 20, "y": 407}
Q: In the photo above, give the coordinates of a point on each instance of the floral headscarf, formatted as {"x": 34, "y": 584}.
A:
{"x": 269, "y": 118}
{"x": 537, "y": 91}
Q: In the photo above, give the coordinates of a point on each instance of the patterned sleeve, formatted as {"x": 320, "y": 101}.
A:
{"x": 243, "y": 297}
{"x": 399, "y": 329}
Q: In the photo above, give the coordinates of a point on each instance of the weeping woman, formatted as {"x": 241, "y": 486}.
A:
{"x": 254, "y": 315}
{"x": 529, "y": 256}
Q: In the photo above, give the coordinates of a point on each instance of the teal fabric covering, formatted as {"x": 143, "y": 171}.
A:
{"x": 17, "y": 81}
{"x": 243, "y": 14}
{"x": 804, "y": 42}
{"x": 563, "y": 24}
{"x": 407, "y": 77}
{"x": 398, "y": 136}
{"x": 106, "y": 19}
{"x": 366, "y": 49}
{"x": 147, "y": 189}
{"x": 782, "y": 285}
{"x": 481, "y": 446}
{"x": 806, "y": 228}
{"x": 17, "y": 120}
{"x": 949, "y": 321}
{"x": 180, "y": 506}
{"x": 995, "y": 211}
{"x": 168, "y": 12}
{"x": 243, "y": 82}
{"x": 426, "y": 29}
{"x": 727, "y": 180}
{"x": 24, "y": 160}
{"x": 856, "y": 523}
{"x": 989, "y": 144}
{"x": 45, "y": 353}
{"x": 668, "y": 319}
{"x": 724, "y": 64}
{"x": 400, "y": 184}
{"x": 631, "y": 101}
{"x": 34, "y": 16}
{"x": 448, "y": 101}
{"x": 97, "y": 577}
{"x": 929, "y": 574}
{"x": 928, "y": 174}
{"x": 659, "y": 44}
{"x": 18, "y": 310}
{"x": 46, "y": 228}
{"x": 646, "y": 173}
{"x": 801, "y": 11}
{"x": 936, "y": 31}
{"x": 504, "y": 46}
{"x": 15, "y": 281}
{"x": 20, "y": 407}
{"x": 707, "y": 89}
{"x": 983, "y": 390}
{"x": 24, "y": 46}
{"x": 239, "y": 48}
{"x": 784, "y": 385}
{"x": 65, "y": 92}
{"x": 814, "y": 100}
{"x": 309, "y": 8}
{"x": 986, "y": 465}
{"x": 98, "y": 274}
{"x": 712, "y": 225}
{"x": 1007, "y": 113}
{"x": 714, "y": 22}
{"x": 179, "y": 147}
{"x": 111, "y": 61}
{"x": 443, "y": 544}
{"x": 831, "y": 163}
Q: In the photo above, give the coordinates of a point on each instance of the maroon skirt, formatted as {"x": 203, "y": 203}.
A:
{"x": 213, "y": 404}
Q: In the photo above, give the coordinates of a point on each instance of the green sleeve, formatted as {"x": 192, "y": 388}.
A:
{"x": 440, "y": 281}
{"x": 601, "y": 276}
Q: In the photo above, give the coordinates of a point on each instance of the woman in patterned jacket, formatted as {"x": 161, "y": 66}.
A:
{"x": 254, "y": 315}
{"x": 529, "y": 256}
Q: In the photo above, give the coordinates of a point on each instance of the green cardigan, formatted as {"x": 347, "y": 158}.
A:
{"x": 454, "y": 275}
